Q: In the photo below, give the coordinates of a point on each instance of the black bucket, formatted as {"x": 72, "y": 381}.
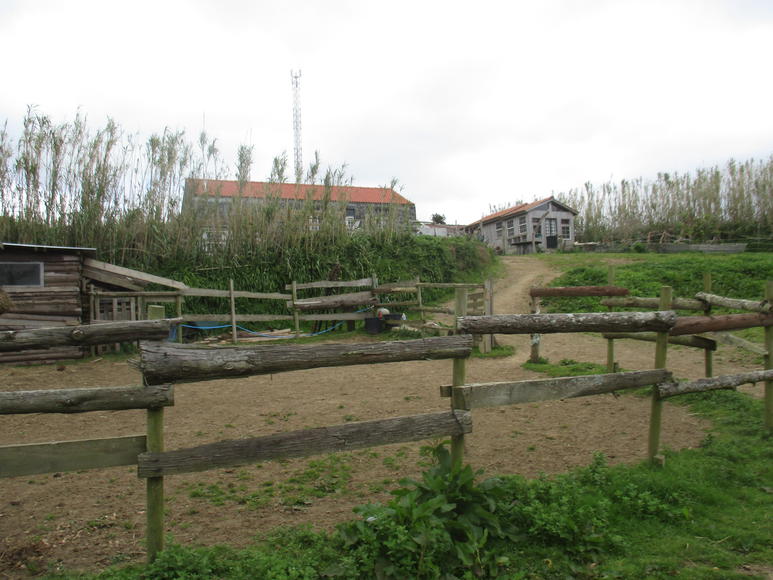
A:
{"x": 392, "y": 320}
{"x": 374, "y": 325}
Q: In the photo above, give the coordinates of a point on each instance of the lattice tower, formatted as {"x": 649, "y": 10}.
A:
{"x": 296, "y": 82}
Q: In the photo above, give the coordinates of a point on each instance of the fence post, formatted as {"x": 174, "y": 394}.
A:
{"x": 488, "y": 310}
{"x": 233, "y": 309}
{"x": 769, "y": 362}
{"x": 661, "y": 350}
{"x": 708, "y": 355}
{"x": 296, "y": 318}
{"x": 535, "y": 338}
{"x": 155, "y": 485}
{"x": 458, "y": 379}
{"x": 179, "y": 311}
{"x": 611, "y": 341}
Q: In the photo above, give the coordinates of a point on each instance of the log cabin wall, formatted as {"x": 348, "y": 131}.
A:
{"x": 46, "y": 293}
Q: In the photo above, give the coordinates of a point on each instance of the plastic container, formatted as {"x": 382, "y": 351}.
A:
{"x": 374, "y": 325}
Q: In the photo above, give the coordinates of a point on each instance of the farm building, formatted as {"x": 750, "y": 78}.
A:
{"x": 361, "y": 202}
{"x": 54, "y": 286}
{"x": 545, "y": 224}
{"x": 439, "y": 230}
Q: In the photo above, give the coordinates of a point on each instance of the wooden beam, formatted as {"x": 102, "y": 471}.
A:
{"x": 447, "y": 285}
{"x": 239, "y": 317}
{"x": 335, "y": 301}
{"x": 738, "y": 304}
{"x": 363, "y": 282}
{"x": 693, "y": 341}
{"x": 674, "y": 388}
{"x": 86, "y": 334}
{"x": 83, "y": 400}
{"x": 553, "y": 323}
{"x": 653, "y": 303}
{"x": 513, "y": 393}
{"x": 141, "y": 277}
{"x": 16, "y": 460}
{"x": 579, "y": 291}
{"x": 237, "y": 294}
{"x": 307, "y": 442}
{"x": 701, "y": 324}
{"x": 733, "y": 340}
{"x": 167, "y": 362}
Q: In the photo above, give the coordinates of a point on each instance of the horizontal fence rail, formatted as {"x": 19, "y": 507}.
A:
{"x": 700, "y": 324}
{"x": 473, "y": 396}
{"x": 673, "y": 388}
{"x": 87, "y": 334}
{"x": 653, "y": 303}
{"x": 567, "y": 291}
{"x": 37, "y": 458}
{"x": 332, "y": 284}
{"x": 693, "y": 341}
{"x": 162, "y": 363}
{"x": 759, "y": 306}
{"x": 307, "y": 442}
{"x": 660, "y": 321}
{"x": 85, "y": 400}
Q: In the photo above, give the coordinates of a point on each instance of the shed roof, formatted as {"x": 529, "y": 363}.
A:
{"x": 261, "y": 190}
{"x": 44, "y": 248}
{"x": 518, "y": 209}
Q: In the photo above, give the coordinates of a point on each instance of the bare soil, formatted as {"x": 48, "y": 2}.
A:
{"x": 89, "y": 520}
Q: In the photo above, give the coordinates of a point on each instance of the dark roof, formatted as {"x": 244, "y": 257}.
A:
{"x": 518, "y": 209}
{"x": 260, "y": 190}
{"x": 42, "y": 248}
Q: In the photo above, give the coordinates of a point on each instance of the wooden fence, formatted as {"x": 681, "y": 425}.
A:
{"x": 162, "y": 364}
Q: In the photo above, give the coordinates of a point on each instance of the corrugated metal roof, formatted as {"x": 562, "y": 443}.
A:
{"x": 261, "y": 190}
{"x": 11, "y": 245}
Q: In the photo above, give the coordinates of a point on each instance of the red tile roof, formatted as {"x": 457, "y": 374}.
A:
{"x": 260, "y": 189}
{"x": 516, "y": 209}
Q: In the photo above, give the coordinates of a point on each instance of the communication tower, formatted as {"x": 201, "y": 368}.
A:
{"x": 296, "y": 83}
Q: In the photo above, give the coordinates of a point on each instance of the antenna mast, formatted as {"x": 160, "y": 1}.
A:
{"x": 296, "y": 82}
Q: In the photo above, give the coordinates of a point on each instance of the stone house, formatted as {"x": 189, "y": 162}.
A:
{"x": 541, "y": 225}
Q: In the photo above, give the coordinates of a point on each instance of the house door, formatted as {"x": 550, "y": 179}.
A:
{"x": 551, "y": 234}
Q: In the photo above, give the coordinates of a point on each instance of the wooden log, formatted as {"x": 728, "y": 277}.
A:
{"x": 552, "y": 323}
{"x": 125, "y": 331}
{"x": 84, "y": 400}
{"x": 361, "y": 283}
{"x": 42, "y": 355}
{"x": 335, "y": 301}
{"x": 566, "y": 291}
{"x": 435, "y": 309}
{"x": 673, "y": 388}
{"x": 135, "y": 276}
{"x": 448, "y": 285}
{"x": 513, "y": 393}
{"x": 237, "y": 294}
{"x": 733, "y": 340}
{"x": 408, "y": 286}
{"x": 693, "y": 341}
{"x": 400, "y": 303}
{"x": 165, "y": 362}
{"x": 16, "y": 460}
{"x": 753, "y": 306}
{"x": 239, "y": 317}
{"x": 701, "y": 324}
{"x": 653, "y": 303}
{"x": 307, "y": 442}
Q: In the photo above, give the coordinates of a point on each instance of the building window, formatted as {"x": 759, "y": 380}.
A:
{"x": 499, "y": 229}
{"x": 510, "y": 228}
{"x": 536, "y": 227}
{"x": 522, "y": 225}
{"x": 21, "y": 273}
{"x": 550, "y": 227}
{"x": 566, "y": 230}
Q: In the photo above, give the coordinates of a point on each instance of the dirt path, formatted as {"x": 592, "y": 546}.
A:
{"x": 89, "y": 520}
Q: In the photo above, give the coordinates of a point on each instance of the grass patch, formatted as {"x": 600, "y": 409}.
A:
{"x": 565, "y": 368}
{"x": 499, "y": 351}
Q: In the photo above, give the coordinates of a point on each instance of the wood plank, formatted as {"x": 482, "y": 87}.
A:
{"x": 336, "y": 316}
{"x": 361, "y": 283}
{"x": 579, "y": 291}
{"x": 653, "y": 303}
{"x": 347, "y": 437}
{"x": 86, "y": 334}
{"x": 334, "y": 301}
{"x": 701, "y": 324}
{"x": 50, "y": 355}
{"x": 735, "y": 303}
{"x": 691, "y": 340}
{"x": 96, "y": 265}
{"x": 448, "y": 285}
{"x": 112, "y": 279}
{"x": 239, "y": 317}
{"x": 86, "y": 399}
{"x": 34, "y": 290}
{"x": 513, "y": 393}
{"x": 553, "y": 323}
{"x": 16, "y": 460}
{"x": 237, "y": 294}
{"x": 673, "y": 388}
{"x": 166, "y": 362}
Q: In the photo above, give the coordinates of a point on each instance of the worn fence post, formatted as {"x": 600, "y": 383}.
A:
{"x": 233, "y": 310}
{"x": 769, "y": 362}
{"x": 178, "y": 301}
{"x": 458, "y": 379}
{"x": 488, "y": 310}
{"x": 155, "y": 485}
{"x": 296, "y": 317}
{"x": 708, "y": 354}
{"x": 661, "y": 350}
{"x": 535, "y": 338}
{"x": 611, "y": 341}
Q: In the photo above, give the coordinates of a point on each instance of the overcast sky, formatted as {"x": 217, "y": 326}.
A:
{"x": 468, "y": 104}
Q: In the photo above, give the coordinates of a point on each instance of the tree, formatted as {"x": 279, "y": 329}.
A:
{"x": 438, "y": 218}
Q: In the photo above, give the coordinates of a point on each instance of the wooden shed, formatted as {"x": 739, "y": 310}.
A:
{"x": 54, "y": 286}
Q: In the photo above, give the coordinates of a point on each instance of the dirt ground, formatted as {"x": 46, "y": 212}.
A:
{"x": 89, "y": 520}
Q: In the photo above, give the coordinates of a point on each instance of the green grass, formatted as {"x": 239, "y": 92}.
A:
{"x": 565, "y": 368}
